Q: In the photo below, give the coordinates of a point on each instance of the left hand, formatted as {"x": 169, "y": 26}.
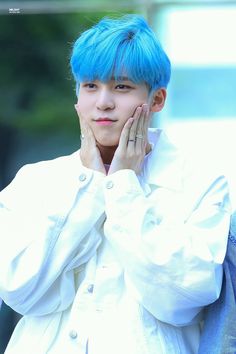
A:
{"x": 133, "y": 144}
{"x": 89, "y": 153}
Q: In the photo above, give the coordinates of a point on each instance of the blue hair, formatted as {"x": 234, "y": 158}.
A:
{"x": 114, "y": 48}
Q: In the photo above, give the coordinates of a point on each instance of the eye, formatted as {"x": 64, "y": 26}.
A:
{"x": 89, "y": 85}
{"x": 123, "y": 87}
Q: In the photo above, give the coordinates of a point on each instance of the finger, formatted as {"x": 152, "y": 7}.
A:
{"x": 146, "y": 122}
{"x": 131, "y": 143}
{"x": 82, "y": 129}
{"x": 142, "y": 120}
{"x": 80, "y": 118}
{"x": 136, "y": 117}
{"x": 129, "y": 129}
{"x": 125, "y": 134}
{"x": 87, "y": 136}
{"x": 141, "y": 133}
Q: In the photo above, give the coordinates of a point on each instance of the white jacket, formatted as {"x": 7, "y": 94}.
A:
{"x": 121, "y": 263}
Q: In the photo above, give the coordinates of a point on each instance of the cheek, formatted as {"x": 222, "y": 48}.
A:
{"x": 131, "y": 108}
{"x": 83, "y": 107}
{"x": 84, "y": 102}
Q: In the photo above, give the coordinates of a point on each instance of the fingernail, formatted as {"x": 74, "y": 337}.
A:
{"x": 145, "y": 107}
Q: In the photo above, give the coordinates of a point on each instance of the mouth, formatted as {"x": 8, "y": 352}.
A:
{"x": 105, "y": 121}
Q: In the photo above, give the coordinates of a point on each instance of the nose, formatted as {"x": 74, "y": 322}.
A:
{"x": 105, "y": 100}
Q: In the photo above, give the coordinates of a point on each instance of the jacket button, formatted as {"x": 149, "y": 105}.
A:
{"x": 73, "y": 334}
{"x": 82, "y": 177}
{"x": 90, "y": 288}
{"x": 109, "y": 185}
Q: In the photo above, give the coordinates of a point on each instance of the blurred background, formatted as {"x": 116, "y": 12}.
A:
{"x": 37, "y": 96}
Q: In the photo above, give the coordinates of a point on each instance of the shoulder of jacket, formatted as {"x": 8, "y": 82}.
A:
{"x": 63, "y": 164}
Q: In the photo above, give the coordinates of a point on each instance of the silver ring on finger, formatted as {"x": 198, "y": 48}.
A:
{"x": 82, "y": 136}
{"x": 132, "y": 140}
{"x": 139, "y": 136}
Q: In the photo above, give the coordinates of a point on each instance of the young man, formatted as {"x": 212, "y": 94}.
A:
{"x": 118, "y": 247}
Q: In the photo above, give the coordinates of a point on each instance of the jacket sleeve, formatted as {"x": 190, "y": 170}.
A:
{"x": 46, "y": 215}
{"x": 172, "y": 245}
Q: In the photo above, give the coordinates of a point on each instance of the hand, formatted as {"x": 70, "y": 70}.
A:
{"x": 89, "y": 152}
{"x": 133, "y": 144}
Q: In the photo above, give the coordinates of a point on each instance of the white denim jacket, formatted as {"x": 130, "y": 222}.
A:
{"x": 118, "y": 263}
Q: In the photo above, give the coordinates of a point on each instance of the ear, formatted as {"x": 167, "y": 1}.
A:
{"x": 158, "y": 100}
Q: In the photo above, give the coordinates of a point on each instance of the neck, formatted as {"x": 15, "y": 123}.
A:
{"x": 107, "y": 153}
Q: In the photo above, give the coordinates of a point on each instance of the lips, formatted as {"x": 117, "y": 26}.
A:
{"x": 105, "y": 121}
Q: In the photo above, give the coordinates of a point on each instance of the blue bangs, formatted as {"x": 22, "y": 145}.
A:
{"x": 120, "y": 48}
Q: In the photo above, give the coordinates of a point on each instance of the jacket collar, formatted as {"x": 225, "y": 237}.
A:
{"x": 163, "y": 167}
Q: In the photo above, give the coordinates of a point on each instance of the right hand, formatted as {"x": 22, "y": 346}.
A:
{"x": 89, "y": 152}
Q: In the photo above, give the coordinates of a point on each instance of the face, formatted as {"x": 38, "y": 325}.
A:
{"x": 107, "y": 106}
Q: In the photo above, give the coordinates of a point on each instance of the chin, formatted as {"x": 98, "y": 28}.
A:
{"x": 107, "y": 142}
